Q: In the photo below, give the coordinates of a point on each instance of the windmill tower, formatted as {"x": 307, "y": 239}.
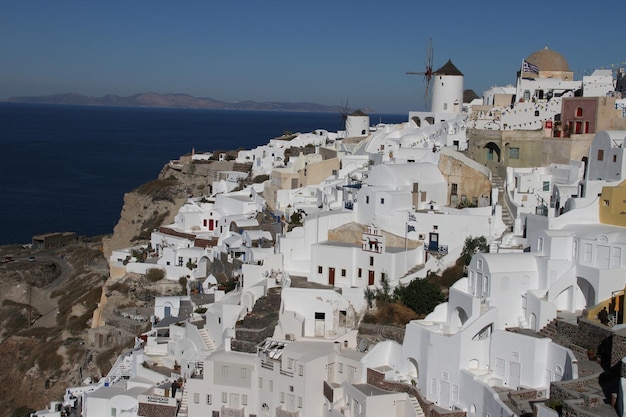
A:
{"x": 445, "y": 85}
{"x": 357, "y": 124}
{"x": 447, "y": 89}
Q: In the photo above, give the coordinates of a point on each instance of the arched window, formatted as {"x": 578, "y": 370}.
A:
{"x": 579, "y": 112}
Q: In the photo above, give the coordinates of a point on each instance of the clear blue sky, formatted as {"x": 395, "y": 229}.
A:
{"x": 298, "y": 51}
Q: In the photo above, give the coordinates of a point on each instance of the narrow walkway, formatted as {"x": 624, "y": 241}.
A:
{"x": 498, "y": 182}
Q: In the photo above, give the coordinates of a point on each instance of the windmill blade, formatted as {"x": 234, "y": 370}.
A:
{"x": 428, "y": 71}
{"x": 344, "y": 109}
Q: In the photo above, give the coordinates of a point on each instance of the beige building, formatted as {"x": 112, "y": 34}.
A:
{"x": 306, "y": 170}
{"x": 498, "y": 150}
{"x": 613, "y": 205}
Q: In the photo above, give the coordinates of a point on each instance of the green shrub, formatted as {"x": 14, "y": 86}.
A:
{"x": 155, "y": 274}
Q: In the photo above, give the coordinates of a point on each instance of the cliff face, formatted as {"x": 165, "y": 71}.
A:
{"x": 150, "y": 206}
{"x": 140, "y": 215}
{"x": 157, "y": 202}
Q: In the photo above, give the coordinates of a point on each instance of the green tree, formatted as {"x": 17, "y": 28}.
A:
{"x": 472, "y": 246}
{"x": 420, "y": 296}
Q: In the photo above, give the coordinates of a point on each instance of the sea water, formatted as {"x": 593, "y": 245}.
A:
{"x": 66, "y": 168}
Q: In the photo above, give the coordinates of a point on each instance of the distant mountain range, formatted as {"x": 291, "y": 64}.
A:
{"x": 183, "y": 101}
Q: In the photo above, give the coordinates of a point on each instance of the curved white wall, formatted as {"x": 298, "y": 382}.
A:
{"x": 447, "y": 89}
{"x": 357, "y": 126}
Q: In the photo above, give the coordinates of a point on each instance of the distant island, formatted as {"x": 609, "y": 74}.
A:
{"x": 182, "y": 101}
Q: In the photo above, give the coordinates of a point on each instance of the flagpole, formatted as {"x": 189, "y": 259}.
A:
{"x": 406, "y": 233}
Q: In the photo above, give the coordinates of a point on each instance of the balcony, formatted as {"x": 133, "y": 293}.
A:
{"x": 280, "y": 412}
{"x": 232, "y": 412}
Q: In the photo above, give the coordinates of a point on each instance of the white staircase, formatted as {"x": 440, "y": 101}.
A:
{"x": 506, "y": 213}
{"x": 416, "y": 405}
{"x": 207, "y": 340}
{"x": 123, "y": 367}
{"x": 182, "y": 410}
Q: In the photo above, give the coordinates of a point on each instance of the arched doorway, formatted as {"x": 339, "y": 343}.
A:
{"x": 412, "y": 369}
{"x": 493, "y": 152}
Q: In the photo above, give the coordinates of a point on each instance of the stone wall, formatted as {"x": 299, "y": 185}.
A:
{"x": 246, "y": 340}
{"x": 381, "y": 332}
{"x": 534, "y": 148}
{"x": 470, "y": 183}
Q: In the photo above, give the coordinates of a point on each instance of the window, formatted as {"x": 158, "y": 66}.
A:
{"x": 224, "y": 397}
{"x": 600, "y": 154}
{"x": 343, "y": 272}
{"x": 300, "y": 370}
{"x": 382, "y": 201}
{"x": 579, "y": 112}
{"x": 244, "y": 373}
{"x": 341, "y": 368}
{"x": 539, "y": 244}
{"x": 367, "y": 199}
{"x": 513, "y": 153}
{"x": 486, "y": 284}
{"x": 575, "y": 249}
{"x": 180, "y": 261}
{"x": 260, "y": 382}
{"x": 271, "y": 386}
{"x": 209, "y": 399}
{"x": 113, "y": 412}
{"x": 546, "y": 186}
{"x": 454, "y": 189}
{"x": 489, "y": 154}
{"x": 614, "y": 158}
{"x": 290, "y": 363}
{"x": 299, "y": 402}
{"x": 320, "y": 269}
{"x": 371, "y": 261}
{"x": 588, "y": 250}
{"x": 383, "y": 277}
{"x": 282, "y": 397}
{"x": 606, "y": 203}
{"x": 224, "y": 370}
{"x": 360, "y": 273}
{"x": 445, "y": 105}
{"x": 290, "y": 388}
{"x": 244, "y": 399}
{"x": 196, "y": 398}
{"x": 479, "y": 264}
{"x": 617, "y": 257}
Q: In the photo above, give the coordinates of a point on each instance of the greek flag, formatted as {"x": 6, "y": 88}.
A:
{"x": 528, "y": 67}
{"x": 410, "y": 228}
{"x": 412, "y": 217}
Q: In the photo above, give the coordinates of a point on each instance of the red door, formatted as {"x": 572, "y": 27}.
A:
{"x": 210, "y": 224}
{"x": 331, "y": 276}
{"x": 370, "y": 279}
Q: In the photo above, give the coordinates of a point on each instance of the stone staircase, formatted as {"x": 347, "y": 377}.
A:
{"x": 416, "y": 406}
{"x": 498, "y": 182}
{"x": 184, "y": 406}
{"x": 550, "y": 329}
